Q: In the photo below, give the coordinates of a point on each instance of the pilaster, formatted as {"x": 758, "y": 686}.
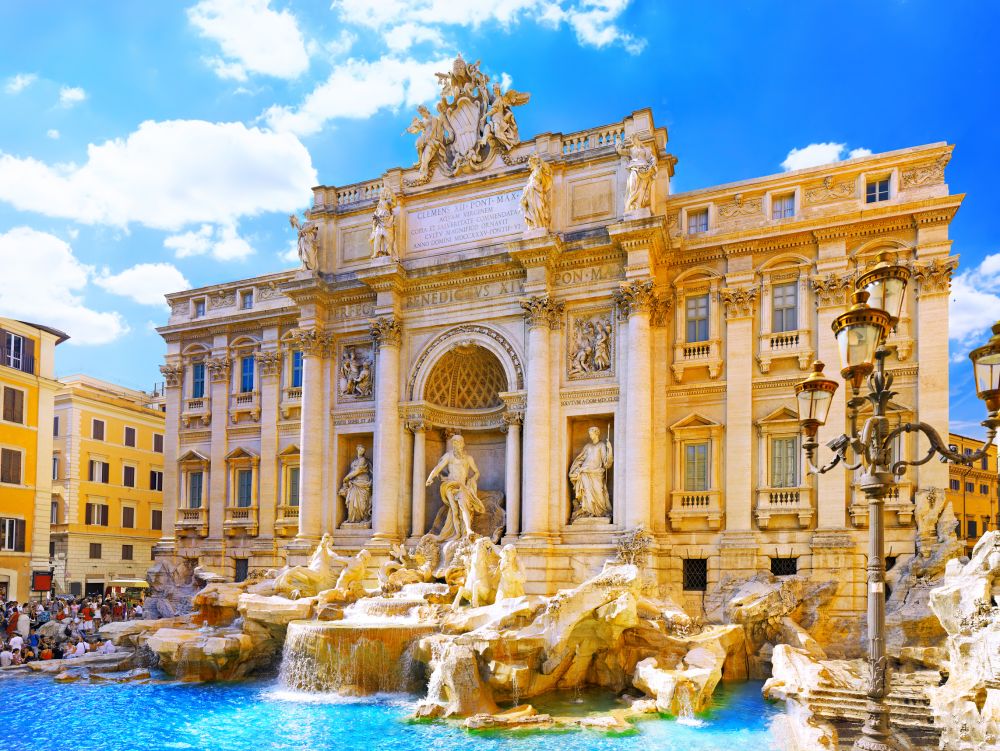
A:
{"x": 173, "y": 375}
{"x": 313, "y": 341}
{"x": 386, "y": 333}
{"x": 269, "y": 364}
{"x": 218, "y": 366}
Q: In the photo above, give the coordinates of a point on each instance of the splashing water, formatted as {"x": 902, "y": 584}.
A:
{"x": 685, "y": 709}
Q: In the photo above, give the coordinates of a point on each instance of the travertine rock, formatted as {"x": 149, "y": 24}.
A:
{"x": 967, "y": 706}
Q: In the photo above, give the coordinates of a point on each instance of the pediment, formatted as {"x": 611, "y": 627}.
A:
{"x": 782, "y": 414}
{"x": 291, "y": 450}
{"x": 694, "y": 420}
{"x": 193, "y": 456}
{"x": 241, "y": 453}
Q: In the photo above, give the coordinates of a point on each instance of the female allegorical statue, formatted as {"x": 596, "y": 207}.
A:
{"x": 588, "y": 474}
{"x": 535, "y": 196}
{"x": 357, "y": 490}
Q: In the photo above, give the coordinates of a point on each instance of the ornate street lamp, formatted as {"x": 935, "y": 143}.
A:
{"x": 861, "y": 333}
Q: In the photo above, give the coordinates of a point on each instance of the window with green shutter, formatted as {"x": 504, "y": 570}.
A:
{"x": 696, "y": 466}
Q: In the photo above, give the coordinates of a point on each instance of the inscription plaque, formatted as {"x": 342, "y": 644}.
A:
{"x": 483, "y": 218}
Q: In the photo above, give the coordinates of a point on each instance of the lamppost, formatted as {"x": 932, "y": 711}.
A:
{"x": 861, "y": 333}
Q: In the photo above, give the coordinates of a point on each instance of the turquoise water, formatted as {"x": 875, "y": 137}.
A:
{"x": 36, "y": 713}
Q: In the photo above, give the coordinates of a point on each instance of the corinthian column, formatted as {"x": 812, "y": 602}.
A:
{"x": 512, "y": 471}
{"x": 387, "y": 335}
{"x": 636, "y": 299}
{"x": 418, "y": 515}
{"x": 314, "y": 344}
{"x": 540, "y": 313}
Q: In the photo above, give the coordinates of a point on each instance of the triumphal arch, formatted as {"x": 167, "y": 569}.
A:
{"x": 577, "y": 349}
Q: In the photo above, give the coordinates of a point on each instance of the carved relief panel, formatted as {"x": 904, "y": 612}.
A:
{"x": 355, "y": 370}
{"x": 590, "y": 343}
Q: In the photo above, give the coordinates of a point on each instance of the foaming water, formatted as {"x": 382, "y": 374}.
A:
{"x": 266, "y": 716}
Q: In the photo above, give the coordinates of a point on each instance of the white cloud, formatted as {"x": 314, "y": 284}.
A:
{"x": 974, "y": 305}
{"x": 817, "y": 154}
{"x": 359, "y": 89}
{"x": 167, "y": 175}
{"x": 18, "y": 83}
{"x": 47, "y": 282}
{"x": 223, "y": 243}
{"x": 53, "y": 134}
{"x": 401, "y": 38}
{"x": 145, "y": 283}
{"x": 70, "y": 95}
{"x": 291, "y": 254}
{"x": 341, "y": 45}
{"x": 253, "y": 38}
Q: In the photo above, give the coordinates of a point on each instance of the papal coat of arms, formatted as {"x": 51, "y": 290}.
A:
{"x": 474, "y": 123}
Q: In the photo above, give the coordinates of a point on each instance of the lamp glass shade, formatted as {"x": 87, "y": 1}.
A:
{"x": 857, "y": 343}
{"x": 887, "y": 295}
{"x": 986, "y": 366}
{"x": 814, "y": 405}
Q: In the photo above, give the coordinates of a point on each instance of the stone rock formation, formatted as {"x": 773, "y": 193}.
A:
{"x": 967, "y": 706}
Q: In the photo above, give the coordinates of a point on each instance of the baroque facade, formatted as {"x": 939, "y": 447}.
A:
{"x": 521, "y": 294}
{"x": 974, "y": 492}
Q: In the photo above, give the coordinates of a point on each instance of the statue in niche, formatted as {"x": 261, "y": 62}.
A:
{"x": 459, "y": 490}
{"x": 383, "y": 236}
{"x": 512, "y": 575}
{"x": 357, "y": 490}
{"x": 308, "y": 244}
{"x": 502, "y": 126}
{"x": 641, "y": 166}
{"x": 432, "y": 139}
{"x": 355, "y": 374}
{"x": 589, "y": 473}
{"x": 592, "y": 347}
{"x": 535, "y": 201}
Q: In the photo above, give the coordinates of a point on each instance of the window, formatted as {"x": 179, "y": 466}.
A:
{"x": 55, "y": 426}
{"x": 297, "y": 369}
{"x": 13, "y": 405}
{"x": 158, "y": 443}
{"x": 97, "y": 514}
{"x": 242, "y": 569}
{"x": 12, "y": 535}
{"x": 97, "y": 430}
{"x": 95, "y": 550}
{"x": 127, "y": 552}
{"x": 195, "y": 482}
{"x": 984, "y": 489}
{"x": 697, "y": 221}
{"x": 54, "y": 513}
{"x": 198, "y": 380}
{"x": 973, "y": 530}
{"x": 955, "y": 484}
{"x": 199, "y": 308}
{"x": 696, "y": 308}
{"x": 246, "y": 300}
{"x": 784, "y": 462}
{"x": 128, "y": 517}
{"x": 986, "y": 524}
{"x": 877, "y": 190}
{"x": 970, "y": 487}
{"x": 156, "y": 519}
{"x": 98, "y": 471}
{"x": 783, "y": 207}
{"x": 130, "y": 437}
{"x": 984, "y": 463}
{"x": 784, "y": 566}
{"x": 695, "y": 574}
{"x": 17, "y": 352}
{"x": 244, "y": 488}
{"x": 55, "y": 467}
{"x": 128, "y": 476}
{"x": 10, "y": 466}
{"x": 156, "y": 479}
{"x": 785, "y": 307}
{"x": 696, "y": 466}
{"x": 246, "y": 374}
{"x": 293, "y": 486}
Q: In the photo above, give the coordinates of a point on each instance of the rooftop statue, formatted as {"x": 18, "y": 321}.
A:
{"x": 308, "y": 244}
{"x": 641, "y": 164}
{"x": 475, "y": 122}
{"x": 383, "y": 236}
{"x": 536, "y": 200}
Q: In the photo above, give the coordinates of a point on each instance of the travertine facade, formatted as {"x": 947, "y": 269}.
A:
{"x": 674, "y": 324}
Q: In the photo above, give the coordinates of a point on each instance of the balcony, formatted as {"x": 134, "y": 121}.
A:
{"x": 291, "y": 402}
{"x": 782, "y": 502}
{"x": 705, "y": 354}
{"x": 692, "y": 510}
{"x": 246, "y": 403}
{"x": 241, "y": 520}
{"x": 197, "y": 412}
{"x": 898, "y": 501}
{"x": 786, "y": 345}
{"x": 286, "y": 523}
{"x": 193, "y": 521}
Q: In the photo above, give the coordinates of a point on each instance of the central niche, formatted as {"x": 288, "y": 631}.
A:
{"x": 467, "y": 376}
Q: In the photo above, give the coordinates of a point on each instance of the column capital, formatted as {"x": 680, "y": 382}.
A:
{"x": 636, "y": 297}
{"x": 218, "y": 367}
{"x": 542, "y": 310}
{"x": 417, "y": 425}
{"x": 314, "y": 342}
{"x": 831, "y": 290}
{"x": 269, "y": 363}
{"x": 512, "y": 419}
{"x": 385, "y": 332}
{"x": 172, "y": 374}
{"x": 934, "y": 276}
{"x": 740, "y": 302}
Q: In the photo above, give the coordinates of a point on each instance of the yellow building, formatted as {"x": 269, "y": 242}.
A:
{"x": 107, "y": 497}
{"x": 974, "y": 491}
{"x": 27, "y": 368}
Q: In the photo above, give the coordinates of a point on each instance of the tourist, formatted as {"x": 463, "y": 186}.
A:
{"x": 6, "y": 656}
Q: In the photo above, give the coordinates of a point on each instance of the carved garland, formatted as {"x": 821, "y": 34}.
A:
{"x": 740, "y": 207}
{"x": 464, "y": 331}
{"x": 830, "y": 191}
{"x": 924, "y": 174}
{"x": 740, "y": 302}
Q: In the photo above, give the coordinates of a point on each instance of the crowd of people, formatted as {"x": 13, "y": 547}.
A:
{"x": 57, "y": 629}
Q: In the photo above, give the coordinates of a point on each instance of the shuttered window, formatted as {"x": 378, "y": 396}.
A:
{"x": 126, "y": 552}
{"x": 158, "y": 443}
{"x": 155, "y": 479}
{"x": 293, "y": 486}
{"x": 297, "y": 369}
{"x": 10, "y": 466}
{"x": 17, "y": 352}
{"x": 198, "y": 380}
{"x": 696, "y": 466}
{"x": 784, "y": 463}
{"x": 130, "y": 437}
{"x": 128, "y": 477}
{"x": 97, "y": 514}
{"x": 97, "y": 430}
{"x": 195, "y": 480}
{"x": 98, "y": 471}
{"x": 12, "y": 535}
{"x": 13, "y": 405}
{"x": 246, "y": 374}
{"x": 128, "y": 517}
{"x": 156, "y": 519}
{"x": 244, "y": 488}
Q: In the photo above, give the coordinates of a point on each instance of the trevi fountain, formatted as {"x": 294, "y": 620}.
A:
{"x": 535, "y": 598}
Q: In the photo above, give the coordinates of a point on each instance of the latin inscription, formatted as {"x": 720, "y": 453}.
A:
{"x": 353, "y": 311}
{"x": 463, "y": 294}
{"x": 479, "y": 219}
{"x": 588, "y": 275}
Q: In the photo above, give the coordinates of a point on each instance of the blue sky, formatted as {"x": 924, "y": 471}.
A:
{"x": 146, "y": 147}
